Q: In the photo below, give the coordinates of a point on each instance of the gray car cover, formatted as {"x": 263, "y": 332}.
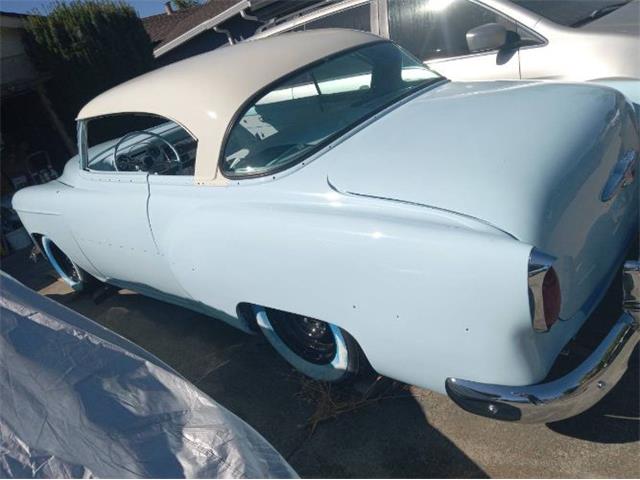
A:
{"x": 77, "y": 400}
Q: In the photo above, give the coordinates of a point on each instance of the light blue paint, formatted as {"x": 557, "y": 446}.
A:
{"x": 427, "y": 292}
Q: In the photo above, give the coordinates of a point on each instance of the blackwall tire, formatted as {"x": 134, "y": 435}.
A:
{"x": 342, "y": 365}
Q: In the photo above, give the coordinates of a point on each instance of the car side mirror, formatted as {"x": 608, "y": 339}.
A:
{"x": 490, "y": 36}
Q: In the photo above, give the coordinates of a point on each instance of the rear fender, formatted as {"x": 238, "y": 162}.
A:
{"x": 424, "y": 300}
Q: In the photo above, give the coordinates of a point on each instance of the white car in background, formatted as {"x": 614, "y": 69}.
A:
{"x": 583, "y": 40}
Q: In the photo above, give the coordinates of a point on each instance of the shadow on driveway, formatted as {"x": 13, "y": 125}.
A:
{"x": 615, "y": 419}
{"x": 385, "y": 438}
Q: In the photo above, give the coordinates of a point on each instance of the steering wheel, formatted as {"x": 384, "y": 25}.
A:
{"x": 150, "y": 134}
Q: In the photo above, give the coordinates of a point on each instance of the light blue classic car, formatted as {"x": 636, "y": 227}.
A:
{"x": 329, "y": 190}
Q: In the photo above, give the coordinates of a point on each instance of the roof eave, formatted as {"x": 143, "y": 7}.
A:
{"x": 198, "y": 29}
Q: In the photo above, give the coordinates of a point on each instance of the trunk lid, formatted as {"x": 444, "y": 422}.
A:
{"x": 531, "y": 159}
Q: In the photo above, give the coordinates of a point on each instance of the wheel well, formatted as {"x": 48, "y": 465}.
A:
{"x": 56, "y": 252}
{"x": 244, "y": 310}
{"x": 37, "y": 237}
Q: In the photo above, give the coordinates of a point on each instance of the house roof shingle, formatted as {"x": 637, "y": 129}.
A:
{"x": 164, "y": 28}
{"x": 158, "y": 26}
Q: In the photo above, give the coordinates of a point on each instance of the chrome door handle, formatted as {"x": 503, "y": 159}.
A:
{"x": 623, "y": 174}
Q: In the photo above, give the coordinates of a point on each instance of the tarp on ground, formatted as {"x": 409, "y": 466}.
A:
{"x": 77, "y": 400}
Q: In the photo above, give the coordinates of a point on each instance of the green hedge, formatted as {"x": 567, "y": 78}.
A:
{"x": 87, "y": 47}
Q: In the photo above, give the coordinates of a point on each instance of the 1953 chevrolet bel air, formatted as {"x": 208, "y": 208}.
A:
{"x": 328, "y": 189}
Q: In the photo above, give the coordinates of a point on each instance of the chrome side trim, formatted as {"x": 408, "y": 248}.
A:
{"x": 572, "y": 394}
{"x": 539, "y": 264}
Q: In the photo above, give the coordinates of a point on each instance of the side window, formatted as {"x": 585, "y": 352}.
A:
{"x": 433, "y": 29}
{"x": 356, "y": 18}
{"x": 133, "y": 142}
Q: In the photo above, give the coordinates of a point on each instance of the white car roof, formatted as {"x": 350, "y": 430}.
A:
{"x": 203, "y": 93}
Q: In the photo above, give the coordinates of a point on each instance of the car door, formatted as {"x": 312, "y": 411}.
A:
{"x": 109, "y": 216}
{"x": 435, "y": 32}
{"x": 173, "y": 195}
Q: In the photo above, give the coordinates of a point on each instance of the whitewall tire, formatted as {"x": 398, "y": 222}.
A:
{"x": 68, "y": 271}
{"x": 319, "y": 350}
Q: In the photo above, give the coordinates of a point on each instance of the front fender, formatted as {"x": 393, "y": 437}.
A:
{"x": 43, "y": 209}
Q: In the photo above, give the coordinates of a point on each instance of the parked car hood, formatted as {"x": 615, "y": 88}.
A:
{"x": 529, "y": 158}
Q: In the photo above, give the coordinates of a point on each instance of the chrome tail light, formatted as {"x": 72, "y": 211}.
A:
{"x": 545, "y": 298}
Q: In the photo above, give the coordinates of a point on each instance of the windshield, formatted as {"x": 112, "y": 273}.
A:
{"x": 571, "y": 13}
{"x": 301, "y": 113}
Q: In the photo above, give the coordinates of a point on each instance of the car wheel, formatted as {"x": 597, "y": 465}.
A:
{"x": 318, "y": 349}
{"x": 68, "y": 271}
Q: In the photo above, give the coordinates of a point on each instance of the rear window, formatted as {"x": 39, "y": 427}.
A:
{"x": 300, "y": 114}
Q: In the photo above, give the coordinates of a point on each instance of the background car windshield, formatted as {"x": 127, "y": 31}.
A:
{"x": 571, "y": 13}
{"x": 301, "y": 113}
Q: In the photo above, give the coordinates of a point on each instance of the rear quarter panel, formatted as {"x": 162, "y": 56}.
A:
{"x": 426, "y": 297}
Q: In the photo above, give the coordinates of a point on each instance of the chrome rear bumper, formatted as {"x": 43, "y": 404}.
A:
{"x": 571, "y": 394}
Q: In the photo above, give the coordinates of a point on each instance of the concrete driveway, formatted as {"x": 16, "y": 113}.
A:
{"x": 381, "y": 429}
